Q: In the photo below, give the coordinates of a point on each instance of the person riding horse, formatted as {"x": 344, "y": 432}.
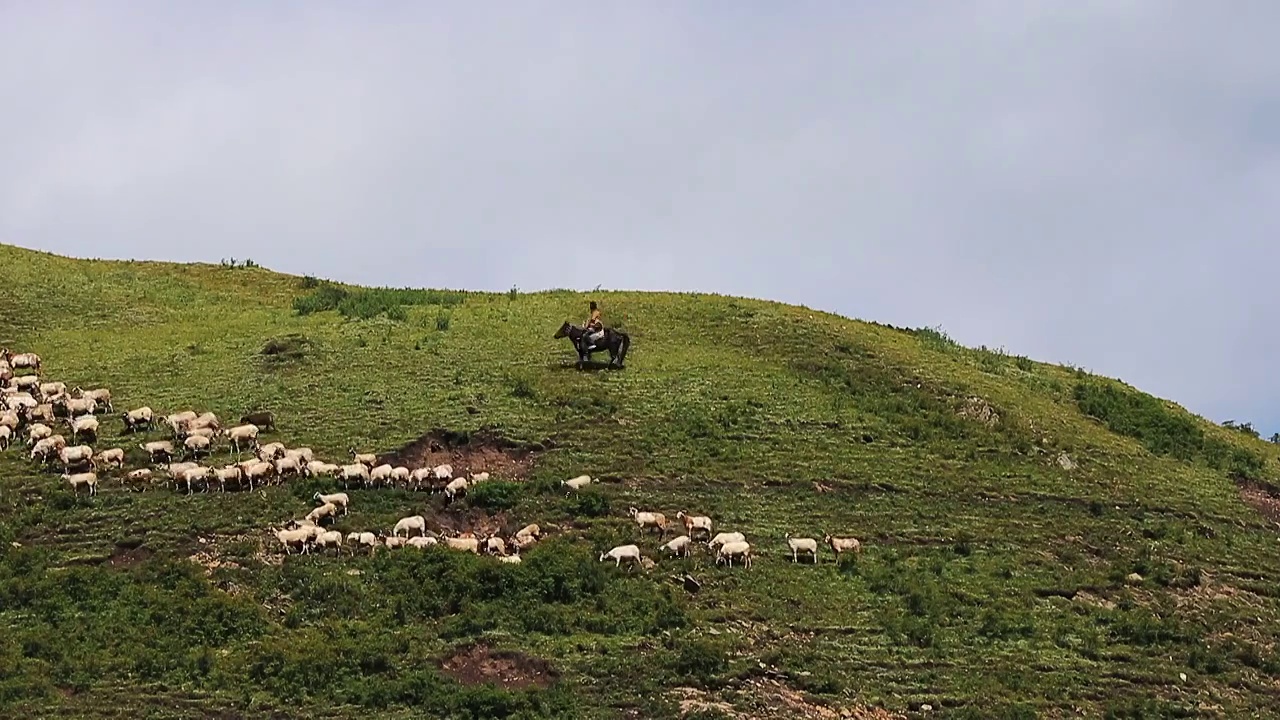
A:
{"x": 594, "y": 326}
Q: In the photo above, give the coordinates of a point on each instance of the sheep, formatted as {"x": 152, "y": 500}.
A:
{"x": 46, "y": 449}
{"x": 79, "y": 480}
{"x": 510, "y": 559}
{"x": 110, "y": 458}
{"x": 51, "y": 390}
{"x": 159, "y": 450}
{"x": 247, "y": 434}
{"x": 138, "y": 478}
{"x": 271, "y": 451}
{"x": 479, "y": 477}
{"x": 339, "y": 499}
{"x": 700, "y": 523}
{"x": 74, "y": 455}
{"x": 357, "y": 471}
{"x": 101, "y": 395}
{"x": 380, "y": 474}
{"x": 455, "y": 488}
{"x": 395, "y": 542}
{"x": 84, "y": 425}
{"x": 576, "y": 483}
{"x": 207, "y": 432}
{"x": 27, "y": 383}
{"x": 414, "y": 522}
{"x": 177, "y": 422}
{"x": 22, "y": 360}
{"x": 367, "y": 459}
{"x": 21, "y": 401}
{"x": 230, "y": 473}
{"x": 40, "y": 413}
{"x": 494, "y": 545}
{"x": 143, "y": 417}
{"x": 400, "y": 476}
{"x": 630, "y": 553}
{"x": 299, "y": 458}
{"x": 287, "y": 465}
{"x": 6, "y": 436}
{"x": 300, "y": 537}
{"x": 420, "y": 477}
{"x": 315, "y": 468}
{"x": 465, "y": 544}
{"x": 723, "y": 538}
{"x": 264, "y": 420}
{"x": 327, "y": 510}
{"x": 204, "y": 420}
{"x": 647, "y": 519}
{"x": 197, "y": 445}
{"x": 519, "y": 542}
{"x": 422, "y": 541}
{"x": 443, "y": 472}
{"x": 678, "y": 546}
{"x": 799, "y": 545}
{"x": 530, "y": 530}
{"x": 10, "y": 419}
{"x": 362, "y": 539}
{"x": 37, "y": 432}
{"x": 330, "y": 539}
{"x": 189, "y": 476}
{"x": 842, "y": 545}
{"x": 257, "y": 471}
{"x": 78, "y": 406}
{"x": 730, "y": 550}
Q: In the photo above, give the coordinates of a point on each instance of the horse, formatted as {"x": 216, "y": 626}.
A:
{"x": 615, "y": 341}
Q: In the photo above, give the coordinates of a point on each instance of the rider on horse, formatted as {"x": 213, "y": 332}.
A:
{"x": 594, "y": 327}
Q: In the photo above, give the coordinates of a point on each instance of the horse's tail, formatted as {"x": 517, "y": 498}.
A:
{"x": 622, "y": 349}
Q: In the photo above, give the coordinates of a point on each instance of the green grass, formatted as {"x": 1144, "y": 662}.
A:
{"x": 992, "y": 581}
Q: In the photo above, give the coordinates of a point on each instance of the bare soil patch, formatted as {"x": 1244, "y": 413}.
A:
{"x": 129, "y": 554}
{"x": 1261, "y": 496}
{"x": 478, "y": 664}
{"x": 481, "y": 451}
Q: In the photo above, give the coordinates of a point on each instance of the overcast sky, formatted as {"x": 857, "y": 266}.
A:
{"x": 1093, "y": 182}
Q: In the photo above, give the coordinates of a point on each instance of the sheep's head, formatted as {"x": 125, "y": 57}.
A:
{"x": 633, "y": 512}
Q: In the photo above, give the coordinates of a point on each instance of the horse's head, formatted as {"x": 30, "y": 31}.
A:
{"x": 563, "y": 331}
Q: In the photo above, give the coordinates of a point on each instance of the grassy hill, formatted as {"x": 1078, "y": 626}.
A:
{"x": 1002, "y": 503}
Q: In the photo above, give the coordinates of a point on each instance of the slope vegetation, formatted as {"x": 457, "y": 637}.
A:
{"x": 1037, "y": 540}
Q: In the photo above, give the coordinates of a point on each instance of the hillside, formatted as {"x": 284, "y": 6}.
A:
{"x": 1002, "y": 505}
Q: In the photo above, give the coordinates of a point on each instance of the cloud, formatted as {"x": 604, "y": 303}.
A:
{"x": 1086, "y": 182}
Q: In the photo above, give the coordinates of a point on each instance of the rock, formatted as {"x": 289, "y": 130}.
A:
{"x": 1133, "y": 579}
{"x": 1182, "y": 677}
{"x": 926, "y": 708}
{"x": 1065, "y": 462}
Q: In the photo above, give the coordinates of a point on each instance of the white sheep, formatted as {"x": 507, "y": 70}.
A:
{"x": 630, "y": 553}
{"x": 75, "y": 455}
{"x": 422, "y": 541}
{"x": 139, "y": 418}
{"x": 362, "y": 539}
{"x": 421, "y": 476}
{"x": 86, "y": 425}
{"x": 330, "y": 539}
{"x": 36, "y": 432}
{"x": 495, "y": 545}
{"x": 358, "y": 472}
{"x": 400, "y": 476}
{"x": 465, "y": 544}
{"x": 27, "y": 383}
{"x": 678, "y": 546}
{"x": 19, "y": 361}
{"x": 51, "y": 390}
{"x": 159, "y": 450}
{"x": 6, "y": 436}
{"x": 327, "y": 510}
{"x": 300, "y": 537}
{"x": 576, "y": 483}
{"x": 479, "y": 477}
{"x": 380, "y": 474}
{"x": 287, "y": 466}
{"x": 339, "y": 499}
{"x": 271, "y": 451}
{"x": 799, "y": 545}
{"x": 692, "y": 523}
{"x": 730, "y": 550}
{"x": 48, "y": 448}
{"x": 443, "y": 472}
{"x": 408, "y": 524}
{"x": 247, "y": 434}
{"x": 530, "y": 530}
{"x": 842, "y": 545}
{"x": 190, "y": 475}
{"x": 197, "y": 445}
{"x": 228, "y": 474}
{"x": 455, "y": 488}
{"x": 138, "y": 478}
{"x": 113, "y": 457}
{"x": 40, "y": 413}
{"x": 724, "y": 537}
{"x": 366, "y": 459}
{"x": 21, "y": 401}
{"x": 101, "y": 395}
{"x": 650, "y": 519}
{"x": 395, "y": 542}
{"x": 510, "y": 559}
{"x": 79, "y": 480}
{"x": 257, "y": 471}
{"x": 10, "y": 419}
{"x": 79, "y": 406}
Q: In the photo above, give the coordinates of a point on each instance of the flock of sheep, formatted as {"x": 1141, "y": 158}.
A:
{"x": 33, "y": 407}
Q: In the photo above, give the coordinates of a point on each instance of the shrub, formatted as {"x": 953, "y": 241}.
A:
{"x": 495, "y": 495}
{"x": 587, "y": 503}
{"x": 367, "y": 303}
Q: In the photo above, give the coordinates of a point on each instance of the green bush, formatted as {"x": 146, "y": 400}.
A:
{"x": 371, "y": 302}
{"x": 495, "y": 495}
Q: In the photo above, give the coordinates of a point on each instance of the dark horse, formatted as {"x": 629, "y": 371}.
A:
{"x": 615, "y": 341}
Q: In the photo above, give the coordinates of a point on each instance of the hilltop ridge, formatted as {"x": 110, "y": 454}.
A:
{"x": 1035, "y": 538}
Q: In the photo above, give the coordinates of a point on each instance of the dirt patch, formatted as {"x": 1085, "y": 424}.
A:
{"x": 478, "y": 664}
{"x": 128, "y": 554}
{"x": 468, "y": 453}
{"x": 979, "y": 410}
{"x": 1261, "y": 496}
{"x": 774, "y": 699}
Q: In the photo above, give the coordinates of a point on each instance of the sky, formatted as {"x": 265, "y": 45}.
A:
{"x": 1094, "y": 182}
